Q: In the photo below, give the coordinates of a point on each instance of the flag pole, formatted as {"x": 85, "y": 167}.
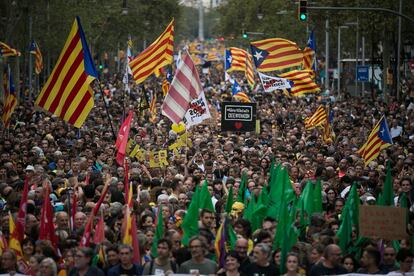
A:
{"x": 107, "y": 110}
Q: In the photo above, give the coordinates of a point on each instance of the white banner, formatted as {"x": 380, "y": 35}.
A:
{"x": 197, "y": 112}
{"x": 271, "y": 83}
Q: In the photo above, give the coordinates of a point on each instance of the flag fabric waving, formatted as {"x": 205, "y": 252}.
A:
{"x": 7, "y": 51}
{"x": 122, "y": 139}
{"x": 240, "y": 60}
{"x": 34, "y": 49}
{"x": 378, "y": 139}
{"x": 47, "y": 228}
{"x": 10, "y": 100}
{"x": 309, "y": 54}
{"x": 238, "y": 93}
{"x": 14, "y": 242}
{"x": 317, "y": 119}
{"x": 185, "y": 87}
{"x": 67, "y": 92}
{"x": 275, "y": 54}
{"x": 302, "y": 82}
{"x": 156, "y": 56}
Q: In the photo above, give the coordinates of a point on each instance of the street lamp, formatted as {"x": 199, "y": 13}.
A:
{"x": 124, "y": 8}
{"x": 339, "y": 58}
{"x": 259, "y": 13}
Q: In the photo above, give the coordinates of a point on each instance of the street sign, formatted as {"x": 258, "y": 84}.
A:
{"x": 362, "y": 73}
{"x": 238, "y": 116}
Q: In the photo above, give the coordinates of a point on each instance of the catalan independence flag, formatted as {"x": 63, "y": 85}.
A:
{"x": 14, "y": 242}
{"x": 302, "y": 82}
{"x": 275, "y": 54}
{"x": 34, "y": 49}
{"x": 10, "y": 99}
{"x": 157, "y": 55}
{"x": 67, "y": 92}
{"x": 309, "y": 54}
{"x": 379, "y": 139}
{"x": 317, "y": 119}
{"x": 7, "y": 51}
{"x": 240, "y": 60}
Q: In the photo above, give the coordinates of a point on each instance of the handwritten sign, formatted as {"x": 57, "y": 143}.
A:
{"x": 382, "y": 222}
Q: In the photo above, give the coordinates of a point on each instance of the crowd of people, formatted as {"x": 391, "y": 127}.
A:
{"x": 54, "y": 156}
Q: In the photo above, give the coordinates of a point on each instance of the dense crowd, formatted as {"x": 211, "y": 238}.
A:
{"x": 53, "y": 155}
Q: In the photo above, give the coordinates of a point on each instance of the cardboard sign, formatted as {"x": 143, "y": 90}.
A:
{"x": 238, "y": 116}
{"x": 382, "y": 222}
{"x": 197, "y": 112}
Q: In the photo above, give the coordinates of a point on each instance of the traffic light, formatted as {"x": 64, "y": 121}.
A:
{"x": 100, "y": 66}
{"x": 245, "y": 35}
{"x": 303, "y": 11}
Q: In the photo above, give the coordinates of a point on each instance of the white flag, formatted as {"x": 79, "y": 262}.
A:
{"x": 198, "y": 111}
{"x": 271, "y": 83}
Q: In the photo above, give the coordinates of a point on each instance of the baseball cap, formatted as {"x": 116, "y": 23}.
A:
{"x": 29, "y": 168}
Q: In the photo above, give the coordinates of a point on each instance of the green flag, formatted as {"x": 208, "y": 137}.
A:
{"x": 317, "y": 197}
{"x": 280, "y": 189}
{"x": 190, "y": 220}
{"x": 349, "y": 218}
{"x": 259, "y": 212}
{"x": 249, "y": 209}
{"x": 159, "y": 233}
{"x": 205, "y": 198}
{"x": 345, "y": 231}
{"x": 229, "y": 202}
{"x": 241, "y": 195}
{"x": 387, "y": 195}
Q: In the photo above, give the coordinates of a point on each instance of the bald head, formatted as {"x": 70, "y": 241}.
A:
{"x": 241, "y": 247}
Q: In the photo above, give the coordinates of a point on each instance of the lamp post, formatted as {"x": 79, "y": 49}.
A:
{"x": 407, "y": 55}
{"x": 356, "y": 24}
{"x": 339, "y": 58}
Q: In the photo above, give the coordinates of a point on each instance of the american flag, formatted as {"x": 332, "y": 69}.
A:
{"x": 185, "y": 87}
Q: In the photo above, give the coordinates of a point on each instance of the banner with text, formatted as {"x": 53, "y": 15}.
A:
{"x": 197, "y": 112}
{"x": 271, "y": 83}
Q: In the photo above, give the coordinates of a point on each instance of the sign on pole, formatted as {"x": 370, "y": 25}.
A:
{"x": 380, "y": 222}
{"x": 238, "y": 116}
{"x": 362, "y": 73}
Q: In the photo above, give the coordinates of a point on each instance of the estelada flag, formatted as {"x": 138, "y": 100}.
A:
{"x": 67, "y": 93}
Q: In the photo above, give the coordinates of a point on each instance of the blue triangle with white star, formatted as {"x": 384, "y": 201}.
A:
{"x": 236, "y": 88}
{"x": 259, "y": 55}
{"x": 384, "y": 132}
{"x": 228, "y": 60}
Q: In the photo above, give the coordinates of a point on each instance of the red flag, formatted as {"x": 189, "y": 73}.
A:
{"x": 122, "y": 139}
{"x": 135, "y": 245}
{"x": 47, "y": 229}
{"x": 85, "y": 241}
{"x": 74, "y": 209}
{"x": 21, "y": 215}
{"x": 99, "y": 236}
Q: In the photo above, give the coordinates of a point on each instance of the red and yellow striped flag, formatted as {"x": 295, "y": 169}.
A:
{"x": 241, "y": 60}
{"x": 157, "y": 55}
{"x": 249, "y": 70}
{"x": 67, "y": 92}
{"x": 309, "y": 60}
{"x": 303, "y": 83}
{"x": 10, "y": 100}
{"x": 275, "y": 54}
{"x": 34, "y": 49}
{"x": 317, "y": 119}
{"x": 7, "y": 51}
{"x": 242, "y": 97}
{"x": 14, "y": 243}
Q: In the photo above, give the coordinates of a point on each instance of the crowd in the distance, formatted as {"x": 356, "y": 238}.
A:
{"x": 50, "y": 153}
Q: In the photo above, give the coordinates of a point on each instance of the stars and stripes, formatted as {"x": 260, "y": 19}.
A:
{"x": 379, "y": 139}
{"x": 185, "y": 87}
{"x": 156, "y": 56}
{"x": 302, "y": 82}
{"x": 275, "y": 54}
{"x": 7, "y": 51}
{"x": 67, "y": 92}
{"x": 34, "y": 50}
{"x": 317, "y": 119}
{"x": 10, "y": 99}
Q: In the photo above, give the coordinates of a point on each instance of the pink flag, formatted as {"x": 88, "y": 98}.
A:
{"x": 185, "y": 87}
{"x": 122, "y": 139}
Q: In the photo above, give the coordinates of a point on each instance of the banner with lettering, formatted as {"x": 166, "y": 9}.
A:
{"x": 197, "y": 112}
{"x": 271, "y": 83}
